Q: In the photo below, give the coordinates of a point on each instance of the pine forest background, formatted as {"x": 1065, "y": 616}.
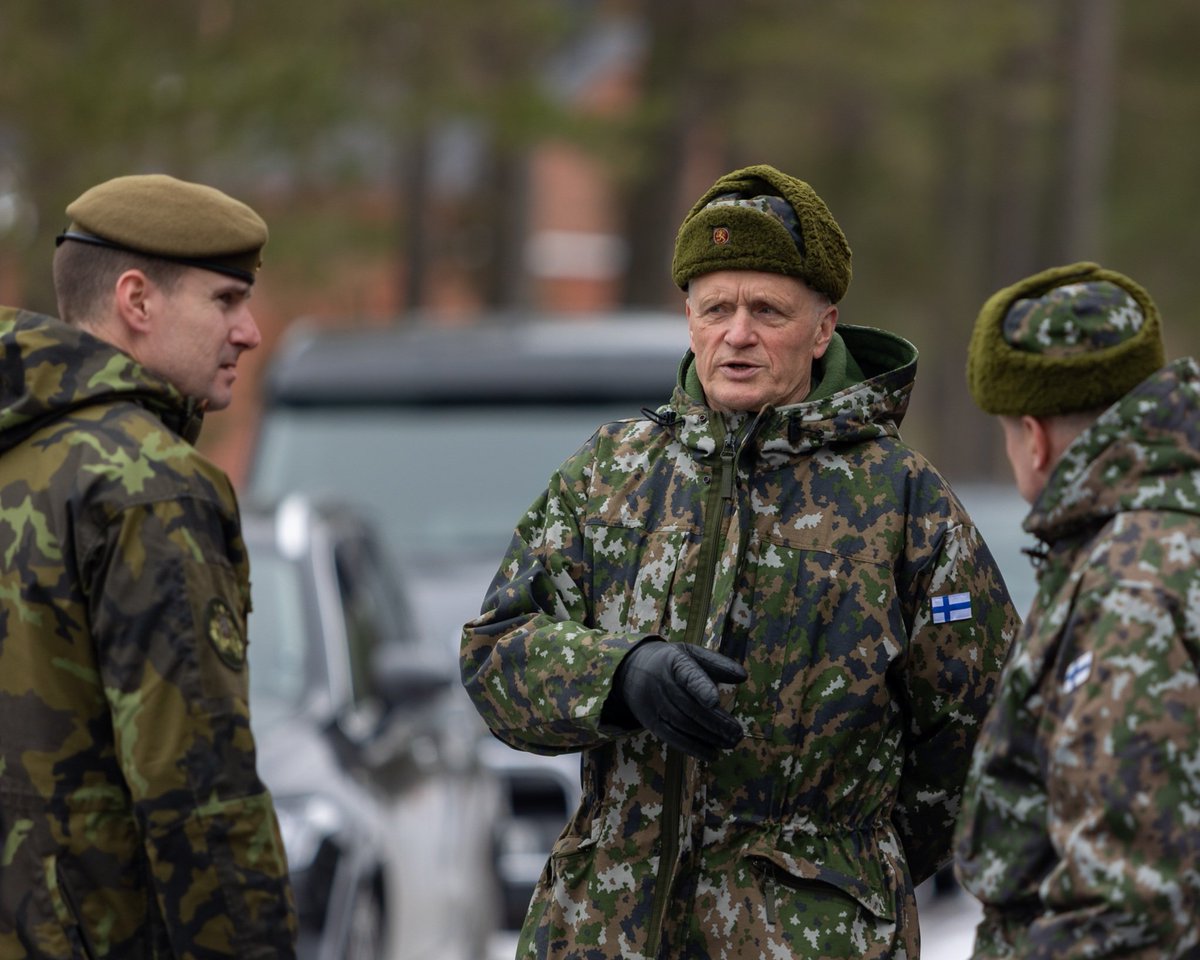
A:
{"x": 468, "y": 155}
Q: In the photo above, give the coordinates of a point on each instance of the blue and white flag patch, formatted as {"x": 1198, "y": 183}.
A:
{"x": 1077, "y": 673}
{"x": 951, "y": 607}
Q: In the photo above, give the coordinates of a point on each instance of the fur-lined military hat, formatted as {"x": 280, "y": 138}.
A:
{"x": 159, "y": 216}
{"x": 758, "y": 218}
{"x": 1065, "y": 340}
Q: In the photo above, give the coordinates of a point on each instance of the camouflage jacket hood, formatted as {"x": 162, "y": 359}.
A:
{"x": 51, "y": 369}
{"x": 848, "y": 407}
{"x": 1079, "y": 826}
{"x": 1134, "y": 457}
{"x": 815, "y": 547}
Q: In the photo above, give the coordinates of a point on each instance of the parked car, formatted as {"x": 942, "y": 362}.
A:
{"x": 363, "y": 746}
{"x": 444, "y": 436}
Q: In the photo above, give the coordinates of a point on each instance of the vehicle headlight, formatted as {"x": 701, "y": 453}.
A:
{"x": 305, "y": 822}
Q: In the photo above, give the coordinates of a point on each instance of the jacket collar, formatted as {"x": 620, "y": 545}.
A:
{"x": 1142, "y": 453}
{"x": 862, "y": 409}
{"x": 49, "y": 369}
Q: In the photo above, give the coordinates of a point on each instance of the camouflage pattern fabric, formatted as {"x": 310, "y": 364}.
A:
{"x": 812, "y": 545}
{"x": 133, "y": 824}
{"x": 1081, "y": 821}
{"x": 1073, "y": 319}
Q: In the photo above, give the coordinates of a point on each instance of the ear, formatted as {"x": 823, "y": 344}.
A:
{"x": 1038, "y": 444}
{"x": 132, "y": 294}
{"x": 826, "y": 323}
{"x": 687, "y": 312}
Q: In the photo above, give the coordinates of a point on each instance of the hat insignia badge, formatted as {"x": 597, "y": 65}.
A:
{"x": 720, "y": 236}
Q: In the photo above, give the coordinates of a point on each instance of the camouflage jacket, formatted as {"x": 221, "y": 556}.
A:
{"x": 814, "y": 546}
{"x": 132, "y": 821}
{"x": 1081, "y": 822}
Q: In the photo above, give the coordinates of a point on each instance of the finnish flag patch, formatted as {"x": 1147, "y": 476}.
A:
{"x": 951, "y": 607}
{"x": 1077, "y": 672}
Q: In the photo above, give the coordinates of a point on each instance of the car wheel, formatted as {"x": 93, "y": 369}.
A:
{"x": 364, "y": 940}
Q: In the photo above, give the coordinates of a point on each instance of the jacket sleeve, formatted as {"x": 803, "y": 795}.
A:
{"x": 168, "y": 605}
{"x": 1122, "y": 762}
{"x": 961, "y": 624}
{"x": 537, "y": 672}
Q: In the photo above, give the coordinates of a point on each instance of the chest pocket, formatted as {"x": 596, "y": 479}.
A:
{"x": 636, "y": 584}
{"x": 818, "y": 630}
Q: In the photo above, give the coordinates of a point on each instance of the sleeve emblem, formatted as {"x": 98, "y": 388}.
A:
{"x": 1077, "y": 672}
{"x": 951, "y": 607}
{"x": 225, "y": 635}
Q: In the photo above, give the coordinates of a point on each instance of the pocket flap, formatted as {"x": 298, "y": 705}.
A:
{"x": 853, "y": 863}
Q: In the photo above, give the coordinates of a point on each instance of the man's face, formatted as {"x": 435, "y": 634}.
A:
{"x": 200, "y": 329}
{"x": 755, "y": 336}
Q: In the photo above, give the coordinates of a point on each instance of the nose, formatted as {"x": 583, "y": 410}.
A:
{"x": 741, "y": 331}
{"x": 245, "y": 332}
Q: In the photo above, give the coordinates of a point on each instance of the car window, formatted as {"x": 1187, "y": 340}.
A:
{"x": 436, "y": 480}
{"x": 371, "y": 608}
{"x": 280, "y": 650}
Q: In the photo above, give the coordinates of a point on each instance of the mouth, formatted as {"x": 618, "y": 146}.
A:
{"x": 738, "y": 369}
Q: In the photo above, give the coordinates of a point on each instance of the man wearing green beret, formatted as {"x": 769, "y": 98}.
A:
{"x": 767, "y": 623}
{"x": 1080, "y": 830}
{"x": 133, "y": 823}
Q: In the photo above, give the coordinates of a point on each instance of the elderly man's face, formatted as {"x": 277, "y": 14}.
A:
{"x": 755, "y": 336}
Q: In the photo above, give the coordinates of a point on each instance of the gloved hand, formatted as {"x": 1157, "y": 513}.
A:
{"x": 669, "y": 688}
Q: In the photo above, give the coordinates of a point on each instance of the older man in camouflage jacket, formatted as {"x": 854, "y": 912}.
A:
{"x": 1081, "y": 822}
{"x": 767, "y": 623}
{"x": 132, "y": 822}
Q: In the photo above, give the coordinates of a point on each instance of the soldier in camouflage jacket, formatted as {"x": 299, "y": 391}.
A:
{"x": 804, "y": 545}
{"x": 133, "y": 824}
{"x": 1081, "y": 823}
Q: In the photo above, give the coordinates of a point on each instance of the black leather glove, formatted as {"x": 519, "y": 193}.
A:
{"x": 669, "y": 689}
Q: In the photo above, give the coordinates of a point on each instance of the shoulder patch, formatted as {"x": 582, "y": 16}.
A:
{"x": 224, "y": 633}
{"x": 950, "y": 607}
{"x": 1077, "y": 672}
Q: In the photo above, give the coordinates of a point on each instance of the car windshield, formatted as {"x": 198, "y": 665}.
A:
{"x": 279, "y": 649}
{"x": 439, "y": 480}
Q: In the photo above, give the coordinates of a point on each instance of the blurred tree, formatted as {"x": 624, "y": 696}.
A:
{"x": 90, "y": 90}
{"x": 269, "y": 97}
{"x": 961, "y": 144}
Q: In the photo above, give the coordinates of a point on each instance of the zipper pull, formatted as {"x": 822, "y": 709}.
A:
{"x": 728, "y": 466}
{"x": 769, "y": 893}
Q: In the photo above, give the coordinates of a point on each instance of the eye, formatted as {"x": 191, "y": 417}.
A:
{"x": 231, "y": 298}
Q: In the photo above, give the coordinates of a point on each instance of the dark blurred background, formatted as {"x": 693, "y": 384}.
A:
{"x": 462, "y": 155}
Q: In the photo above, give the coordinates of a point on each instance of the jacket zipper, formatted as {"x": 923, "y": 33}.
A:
{"x": 719, "y": 507}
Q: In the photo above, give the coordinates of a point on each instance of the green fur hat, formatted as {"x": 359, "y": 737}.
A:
{"x": 758, "y": 218}
{"x": 1065, "y": 340}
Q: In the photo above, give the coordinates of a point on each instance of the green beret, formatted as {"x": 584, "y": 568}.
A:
{"x": 1065, "y": 340}
{"x": 758, "y": 218}
{"x": 159, "y": 216}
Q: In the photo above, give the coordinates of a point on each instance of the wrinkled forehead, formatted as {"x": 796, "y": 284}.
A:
{"x": 748, "y": 286}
